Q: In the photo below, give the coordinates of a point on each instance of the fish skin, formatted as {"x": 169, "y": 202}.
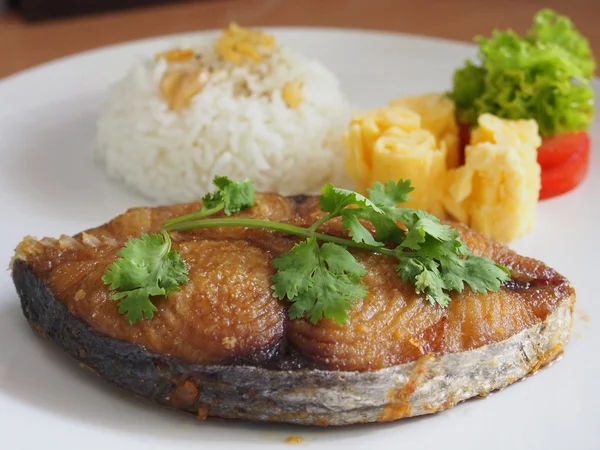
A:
{"x": 273, "y": 374}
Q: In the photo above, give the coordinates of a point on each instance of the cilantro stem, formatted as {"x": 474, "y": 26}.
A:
{"x": 167, "y": 239}
{"x": 321, "y": 221}
{"x": 193, "y": 216}
{"x": 275, "y": 226}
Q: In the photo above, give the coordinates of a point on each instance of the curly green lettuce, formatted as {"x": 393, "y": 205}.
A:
{"x": 544, "y": 75}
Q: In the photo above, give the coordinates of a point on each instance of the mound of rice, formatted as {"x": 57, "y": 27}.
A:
{"x": 238, "y": 125}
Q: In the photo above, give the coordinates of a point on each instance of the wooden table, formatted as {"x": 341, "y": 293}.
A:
{"x": 23, "y": 45}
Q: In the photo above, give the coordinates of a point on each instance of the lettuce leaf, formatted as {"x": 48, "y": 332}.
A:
{"x": 544, "y": 75}
{"x": 558, "y": 31}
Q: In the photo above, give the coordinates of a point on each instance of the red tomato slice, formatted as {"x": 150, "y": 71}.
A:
{"x": 564, "y": 160}
{"x": 566, "y": 175}
{"x": 556, "y": 150}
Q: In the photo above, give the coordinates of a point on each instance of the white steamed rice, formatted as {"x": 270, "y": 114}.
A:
{"x": 174, "y": 155}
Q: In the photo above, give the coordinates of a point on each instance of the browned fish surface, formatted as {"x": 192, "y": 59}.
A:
{"x": 226, "y": 313}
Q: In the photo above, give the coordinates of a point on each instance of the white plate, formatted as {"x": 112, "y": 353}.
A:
{"x": 50, "y": 185}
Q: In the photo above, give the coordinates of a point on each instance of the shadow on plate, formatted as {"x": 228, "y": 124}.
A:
{"x": 53, "y": 165}
{"x": 36, "y": 372}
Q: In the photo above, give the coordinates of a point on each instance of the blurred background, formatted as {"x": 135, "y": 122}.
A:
{"x": 35, "y": 31}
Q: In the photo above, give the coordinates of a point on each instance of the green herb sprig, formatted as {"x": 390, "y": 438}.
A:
{"x": 146, "y": 267}
{"x": 319, "y": 276}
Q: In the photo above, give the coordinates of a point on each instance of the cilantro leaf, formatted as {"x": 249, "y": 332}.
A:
{"x": 483, "y": 275}
{"x": 236, "y": 195}
{"x": 358, "y": 232}
{"x": 427, "y": 227}
{"x": 145, "y": 267}
{"x": 230, "y": 196}
{"x": 388, "y": 196}
{"x": 333, "y": 200}
{"x": 433, "y": 248}
{"x": 340, "y": 261}
{"x": 391, "y": 194}
{"x": 294, "y": 269}
{"x": 453, "y": 268}
{"x": 386, "y": 229}
{"x": 431, "y": 283}
{"x": 337, "y": 201}
{"x": 333, "y": 281}
{"x": 436, "y": 261}
{"x": 425, "y": 274}
{"x": 136, "y": 304}
{"x": 212, "y": 202}
{"x": 448, "y": 271}
{"x": 173, "y": 272}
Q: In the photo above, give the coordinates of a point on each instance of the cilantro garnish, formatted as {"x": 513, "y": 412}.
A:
{"x": 318, "y": 280}
{"x": 230, "y": 197}
{"x": 145, "y": 267}
{"x": 319, "y": 276}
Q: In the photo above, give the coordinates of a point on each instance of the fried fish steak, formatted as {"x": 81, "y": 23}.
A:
{"x": 223, "y": 346}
